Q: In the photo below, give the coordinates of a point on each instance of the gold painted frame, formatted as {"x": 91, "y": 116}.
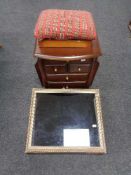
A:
{"x": 62, "y": 149}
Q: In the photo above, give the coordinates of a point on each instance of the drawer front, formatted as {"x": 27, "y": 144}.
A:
{"x": 55, "y": 69}
{"x": 83, "y": 61}
{"x": 67, "y": 77}
{"x": 53, "y": 62}
{"x": 67, "y": 85}
{"x": 79, "y": 68}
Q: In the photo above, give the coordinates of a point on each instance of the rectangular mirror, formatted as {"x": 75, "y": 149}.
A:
{"x": 65, "y": 120}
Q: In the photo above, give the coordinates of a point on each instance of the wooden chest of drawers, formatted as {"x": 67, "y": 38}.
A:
{"x": 67, "y": 67}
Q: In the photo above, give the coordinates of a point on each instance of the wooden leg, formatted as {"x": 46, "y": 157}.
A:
{"x": 41, "y": 73}
{"x": 129, "y": 26}
{"x": 92, "y": 73}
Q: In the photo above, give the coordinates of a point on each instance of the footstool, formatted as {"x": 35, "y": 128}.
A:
{"x": 66, "y": 49}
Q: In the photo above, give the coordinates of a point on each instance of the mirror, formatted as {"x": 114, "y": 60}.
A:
{"x": 65, "y": 120}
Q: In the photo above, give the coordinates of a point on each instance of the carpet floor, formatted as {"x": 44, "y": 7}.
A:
{"x": 18, "y": 77}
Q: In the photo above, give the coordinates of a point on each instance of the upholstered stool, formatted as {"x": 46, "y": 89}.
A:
{"x": 66, "y": 49}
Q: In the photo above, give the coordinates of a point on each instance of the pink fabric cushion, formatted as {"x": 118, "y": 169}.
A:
{"x": 65, "y": 25}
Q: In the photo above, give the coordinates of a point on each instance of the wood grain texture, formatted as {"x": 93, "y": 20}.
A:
{"x": 68, "y": 53}
{"x": 67, "y": 67}
{"x": 65, "y": 43}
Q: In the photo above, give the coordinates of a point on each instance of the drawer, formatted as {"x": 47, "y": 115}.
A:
{"x": 83, "y": 61}
{"x": 54, "y": 62}
{"x": 67, "y": 85}
{"x": 55, "y": 69}
{"x": 79, "y": 68}
{"x": 67, "y": 77}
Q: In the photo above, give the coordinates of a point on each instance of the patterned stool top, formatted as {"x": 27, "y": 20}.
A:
{"x": 65, "y": 25}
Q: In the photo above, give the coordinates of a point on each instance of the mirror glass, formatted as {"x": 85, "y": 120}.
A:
{"x": 65, "y": 120}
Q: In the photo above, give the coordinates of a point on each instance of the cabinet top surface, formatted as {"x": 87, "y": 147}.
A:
{"x": 92, "y": 50}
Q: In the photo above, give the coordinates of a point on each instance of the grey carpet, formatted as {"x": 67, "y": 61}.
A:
{"x": 18, "y": 77}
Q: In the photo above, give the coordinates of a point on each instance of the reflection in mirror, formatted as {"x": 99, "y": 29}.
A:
{"x": 65, "y": 120}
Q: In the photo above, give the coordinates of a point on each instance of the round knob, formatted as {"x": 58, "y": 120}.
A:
{"x": 55, "y": 70}
{"x": 67, "y": 78}
{"x": 66, "y": 87}
{"x": 79, "y": 69}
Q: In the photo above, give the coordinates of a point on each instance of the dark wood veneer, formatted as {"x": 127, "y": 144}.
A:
{"x": 67, "y": 67}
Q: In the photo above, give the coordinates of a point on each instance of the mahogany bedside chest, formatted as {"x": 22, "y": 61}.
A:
{"x": 67, "y": 64}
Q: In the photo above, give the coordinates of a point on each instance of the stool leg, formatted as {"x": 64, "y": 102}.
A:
{"x": 41, "y": 73}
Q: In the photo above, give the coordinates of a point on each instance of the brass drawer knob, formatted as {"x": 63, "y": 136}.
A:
{"x": 79, "y": 69}
{"x": 55, "y": 70}
{"x": 66, "y": 87}
{"x": 83, "y": 60}
{"x": 67, "y": 78}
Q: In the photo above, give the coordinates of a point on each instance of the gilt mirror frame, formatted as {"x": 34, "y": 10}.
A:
{"x": 66, "y": 149}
